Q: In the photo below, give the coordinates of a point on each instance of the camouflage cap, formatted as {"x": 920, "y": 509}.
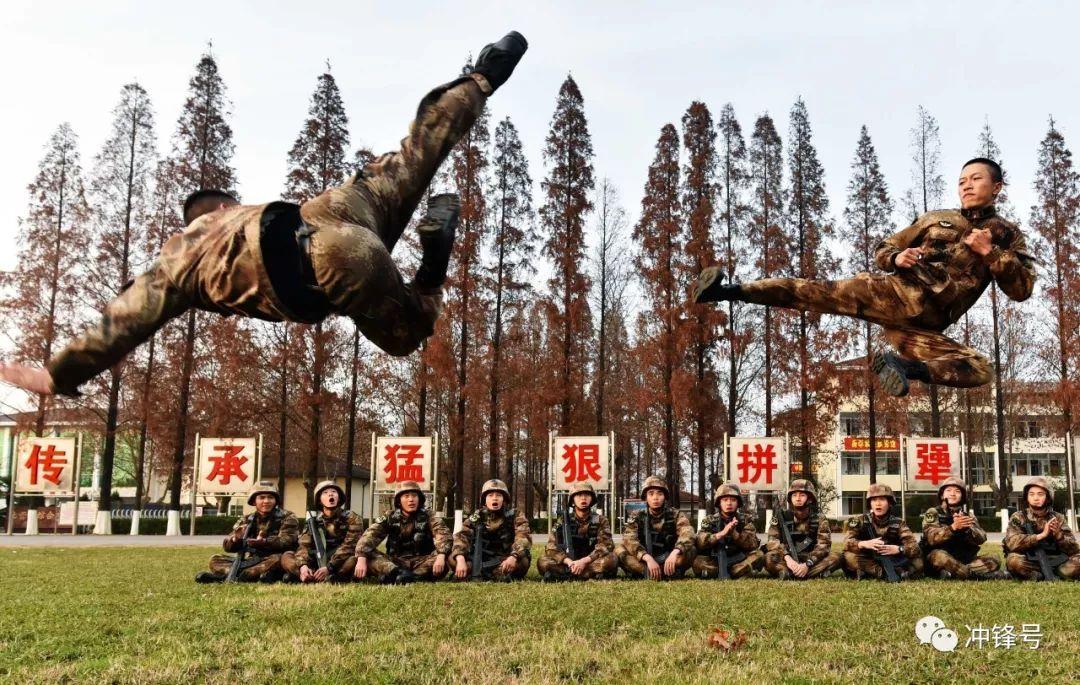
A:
{"x": 579, "y": 488}
{"x": 728, "y": 489}
{"x": 956, "y": 483}
{"x": 329, "y": 484}
{"x": 1038, "y": 482}
{"x": 879, "y": 490}
{"x": 655, "y": 482}
{"x": 802, "y": 485}
{"x": 263, "y": 488}
{"x": 494, "y": 485}
{"x": 408, "y": 486}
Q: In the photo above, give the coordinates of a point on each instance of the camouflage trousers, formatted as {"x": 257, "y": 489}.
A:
{"x": 218, "y": 264}
{"x": 1019, "y": 566}
{"x": 521, "y": 568}
{"x": 777, "y": 568}
{"x": 938, "y": 560}
{"x": 864, "y": 565}
{"x": 604, "y": 567}
{"x": 291, "y": 565}
{"x": 220, "y": 564}
{"x": 910, "y": 324}
{"x": 705, "y": 565}
{"x": 380, "y": 565}
{"x": 636, "y": 568}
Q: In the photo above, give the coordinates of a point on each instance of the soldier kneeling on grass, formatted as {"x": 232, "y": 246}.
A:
{"x": 658, "y": 542}
{"x": 493, "y": 543}
{"x": 876, "y": 538}
{"x": 729, "y": 534}
{"x": 810, "y": 534}
{"x": 340, "y": 529}
{"x": 417, "y": 541}
{"x": 952, "y": 536}
{"x": 265, "y": 535}
{"x": 1036, "y": 530}
{"x": 590, "y": 554}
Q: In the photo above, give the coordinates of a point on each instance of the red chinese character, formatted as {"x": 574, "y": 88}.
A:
{"x": 762, "y": 459}
{"x": 45, "y": 460}
{"x": 582, "y": 462}
{"x": 227, "y": 465}
{"x": 400, "y": 466}
{"x": 935, "y": 463}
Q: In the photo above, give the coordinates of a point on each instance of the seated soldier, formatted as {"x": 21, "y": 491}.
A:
{"x": 728, "y": 534}
{"x": 264, "y": 535}
{"x": 1024, "y": 546}
{"x": 493, "y": 543}
{"x": 951, "y": 538}
{"x": 340, "y": 529}
{"x": 810, "y": 534}
{"x": 878, "y": 544}
{"x": 417, "y": 541}
{"x": 658, "y": 542}
{"x": 590, "y": 553}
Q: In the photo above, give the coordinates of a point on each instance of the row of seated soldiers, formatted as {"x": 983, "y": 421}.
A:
{"x": 658, "y": 542}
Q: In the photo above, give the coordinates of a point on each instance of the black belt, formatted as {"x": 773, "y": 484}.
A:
{"x": 286, "y": 250}
{"x": 303, "y": 241}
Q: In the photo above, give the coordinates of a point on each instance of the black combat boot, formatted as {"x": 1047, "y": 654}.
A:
{"x": 272, "y": 576}
{"x": 497, "y": 60}
{"x": 437, "y": 231}
{"x": 710, "y": 287}
{"x": 208, "y": 577}
{"x": 894, "y": 372}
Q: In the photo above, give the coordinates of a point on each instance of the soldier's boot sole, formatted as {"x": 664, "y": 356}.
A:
{"x": 497, "y": 60}
{"x": 890, "y": 374}
{"x": 710, "y": 287}
{"x": 208, "y": 577}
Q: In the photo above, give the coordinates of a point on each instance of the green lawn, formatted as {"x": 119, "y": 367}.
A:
{"x": 135, "y": 616}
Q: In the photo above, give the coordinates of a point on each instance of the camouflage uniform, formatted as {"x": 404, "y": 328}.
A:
{"x": 341, "y": 529}
{"x": 230, "y": 261}
{"x": 955, "y": 552}
{"x": 413, "y": 541}
{"x": 590, "y": 537}
{"x": 892, "y": 529}
{"x": 1062, "y": 550}
{"x": 670, "y": 530}
{"x": 503, "y": 533}
{"x": 915, "y": 305}
{"x": 811, "y": 534}
{"x": 741, "y": 544}
{"x": 277, "y": 531}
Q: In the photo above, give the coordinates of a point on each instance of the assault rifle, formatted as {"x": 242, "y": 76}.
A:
{"x": 567, "y": 538}
{"x": 481, "y": 570}
{"x": 649, "y": 541}
{"x": 720, "y": 554}
{"x": 318, "y": 538}
{"x": 885, "y": 560}
{"x": 241, "y": 555}
{"x": 1038, "y": 553}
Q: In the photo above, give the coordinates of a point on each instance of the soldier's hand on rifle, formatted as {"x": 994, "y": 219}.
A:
{"x": 790, "y": 563}
{"x": 908, "y": 258}
{"x": 800, "y": 570}
{"x": 889, "y": 550}
{"x": 979, "y": 241}
{"x": 652, "y": 566}
{"x": 875, "y": 544}
{"x": 508, "y": 564}
{"x": 461, "y": 570}
{"x": 437, "y": 568}
{"x": 305, "y": 574}
{"x": 961, "y": 522}
{"x": 1053, "y": 527}
{"x": 578, "y": 566}
{"x": 360, "y": 572}
{"x": 672, "y": 562}
{"x": 321, "y": 574}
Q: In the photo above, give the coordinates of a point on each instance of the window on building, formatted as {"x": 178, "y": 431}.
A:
{"x": 851, "y": 424}
{"x": 853, "y": 503}
{"x": 853, "y": 464}
{"x": 983, "y": 503}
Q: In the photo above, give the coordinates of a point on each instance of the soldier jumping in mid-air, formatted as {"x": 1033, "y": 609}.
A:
{"x": 938, "y": 267}
{"x": 283, "y": 262}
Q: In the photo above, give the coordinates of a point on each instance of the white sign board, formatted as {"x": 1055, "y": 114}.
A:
{"x": 397, "y": 459}
{"x": 758, "y": 463}
{"x": 46, "y": 466}
{"x": 930, "y": 461}
{"x": 581, "y": 459}
{"x": 227, "y": 466}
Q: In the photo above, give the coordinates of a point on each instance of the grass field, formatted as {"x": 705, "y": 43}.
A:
{"x": 135, "y": 616}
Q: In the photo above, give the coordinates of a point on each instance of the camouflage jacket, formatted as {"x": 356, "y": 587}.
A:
{"x": 801, "y": 528}
{"x": 279, "y": 528}
{"x": 402, "y": 536}
{"x": 1018, "y": 541}
{"x": 742, "y": 538}
{"x": 893, "y": 530}
{"x": 342, "y": 530}
{"x": 951, "y": 277}
{"x": 593, "y": 532}
{"x": 505, "y": 534}
{"x": 670, "y": 524}
{"x": 937, "y": 532}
